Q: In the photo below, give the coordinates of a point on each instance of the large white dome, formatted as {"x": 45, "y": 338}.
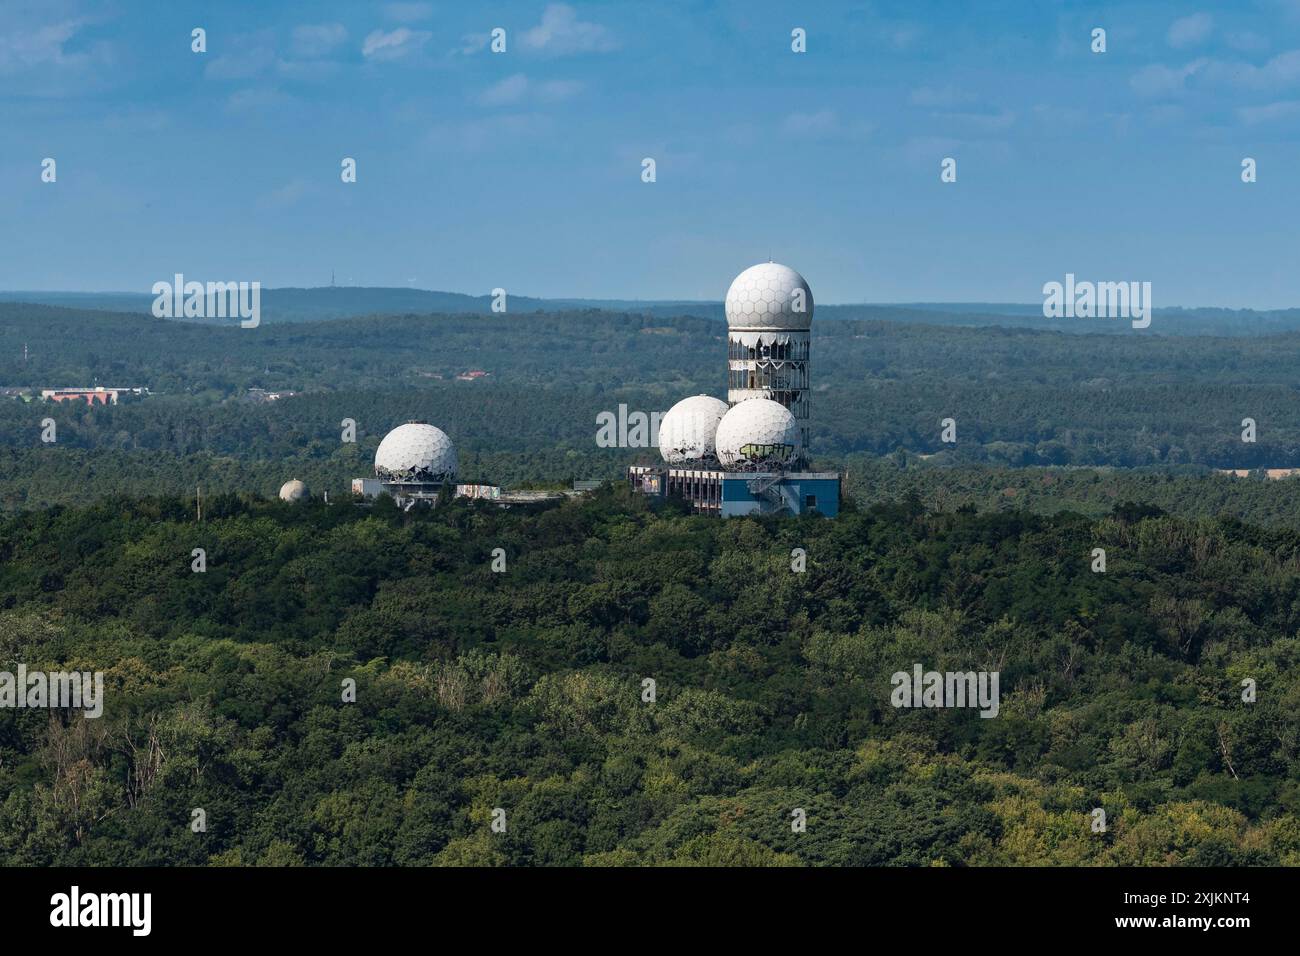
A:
{"x": 686, "y": 431}
{"x": 769, "y": 296}
{"x": 416, "y": 451}
{"x": 757, "y": 433}
{"x": 293, "y": 490}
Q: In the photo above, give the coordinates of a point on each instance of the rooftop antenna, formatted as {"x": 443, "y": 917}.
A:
{"x": 331, "y": 278}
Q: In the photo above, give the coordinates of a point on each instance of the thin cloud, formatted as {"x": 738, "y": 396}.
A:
{"x": 1269, "y": 113}
{"x": 554, "y": 91}
{"x": 902, "y": 37}
{"x": 317, "y": 40}
{"x": 1247, "y": 41}
{"x": 1277, "y": 73}
{"x": 509, "y": 90}
{"x": 308, "y": 71}
{"x": 470, "y": 44}
{"x": 44, "y": 47}
{"x": 135, "y": 120}
{"x": 561, "y": 33}
{"x": 287, "y": 195}
{"x": 393, "y": 44}
{"x": 945, "y": 97}
{"x": 1190, "y": 30}
{"x": 817, "y": 123}
{"x": 516, "y": 87}
{"x": 248, "y": 59}
{"x": 930, "y": 148}
{"x": 982, "y": 122}
{"x": 823, "y": 123}
{"x": 408, "y": 12}
{"x": 1160, "y": 80}
{"x": 488, "y": 132}
{"x": 258, "y": 100}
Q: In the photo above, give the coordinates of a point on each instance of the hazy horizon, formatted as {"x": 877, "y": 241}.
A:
{"x": 670, "y": 300}
{"x": 522, "y": 170}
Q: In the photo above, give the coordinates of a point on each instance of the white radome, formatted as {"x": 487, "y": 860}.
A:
{"x": 766, "y": 296}
{"x": 293, "y": 490}
{"x": 757, "y": 432}
{"x": 686, "y": 431}
{"x": 416, "y": 451}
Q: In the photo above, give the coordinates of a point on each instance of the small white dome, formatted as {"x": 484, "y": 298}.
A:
{"x": 293, "y": 490}
{"x": 686, "y": 431}
{"x": 416, "y": 451}
{"x": 769, "y": 296}
{"x": 757, "y": 433}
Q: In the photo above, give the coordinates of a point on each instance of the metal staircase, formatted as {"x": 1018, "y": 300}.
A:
{"x": 766, "y": 489}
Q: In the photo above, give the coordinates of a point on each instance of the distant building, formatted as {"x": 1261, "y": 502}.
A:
{"x": 489, "y": 492}
{"x": 1273, "y": 474}
{"x": 261, "y": 396}
{"x": 98, "y": 395}
{"x": 293, "y": 491}
{"x": 732, "y": 494}
{"x": 414, "y": 464}
{"x": 472, "y": 375}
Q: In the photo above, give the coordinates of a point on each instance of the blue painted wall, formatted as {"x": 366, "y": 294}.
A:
{"x": 737, "y": 500}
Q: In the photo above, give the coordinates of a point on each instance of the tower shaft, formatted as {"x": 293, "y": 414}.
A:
{"x": 770, "y": 363}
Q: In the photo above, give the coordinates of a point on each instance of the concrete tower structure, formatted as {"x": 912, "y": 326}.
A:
{"x": 749, "y": 455}
{"x": 769, "y": 319}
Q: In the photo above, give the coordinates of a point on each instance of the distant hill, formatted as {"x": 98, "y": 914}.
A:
{"x": 298, "y": 305}
{"x": 341, "y": 302}
{"x": 344, "y": 302}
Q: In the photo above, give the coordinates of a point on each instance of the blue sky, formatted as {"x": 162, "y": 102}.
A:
{"x": 522, "y": 169}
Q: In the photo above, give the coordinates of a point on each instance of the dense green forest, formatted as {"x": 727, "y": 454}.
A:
{"x": 1019, "y": 397}
{"x": 1045, "y": 421}
{"x": 1186, "y": 492}
{"x": 41, "y": 477}
{"x": 522, "y": 690}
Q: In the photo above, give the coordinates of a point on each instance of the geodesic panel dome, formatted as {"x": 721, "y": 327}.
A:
{"x": 293, "y": 490}
{"x": 686, "y": 432}
{"x": 416, "y": 451}
{"x": 757, "y": 433}
{"x": 767, "y": 296}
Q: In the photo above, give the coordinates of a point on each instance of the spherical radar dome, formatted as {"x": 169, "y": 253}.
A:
{"x": 757, "y": 433}
{"x": 293, "y": 490}
{"x": 416, "y": 451}
{"x": 686, "y": 431}
{"x": 769, "y": 296}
